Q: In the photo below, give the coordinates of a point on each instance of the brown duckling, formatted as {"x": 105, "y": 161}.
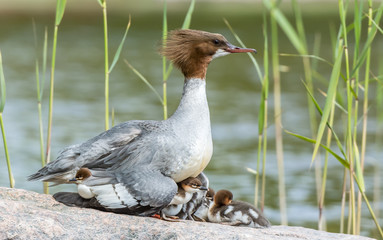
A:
{"x": 235, "y": 213}
{"x": 186, "y": 189}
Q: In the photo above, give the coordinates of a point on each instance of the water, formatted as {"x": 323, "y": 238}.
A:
{"x": 233, "y": 91}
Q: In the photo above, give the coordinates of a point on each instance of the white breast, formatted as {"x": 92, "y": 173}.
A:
{"x": 172, "y": 210}
{"x": 181, "y": 199}
{"x": 84, "y": 191}
{"x": 197, "y": 163}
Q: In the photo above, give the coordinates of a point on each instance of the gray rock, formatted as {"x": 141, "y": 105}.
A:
{"x": 30, "y": 215}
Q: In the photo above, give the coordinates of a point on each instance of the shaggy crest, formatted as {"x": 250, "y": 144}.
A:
{"x": 192, "y": 50}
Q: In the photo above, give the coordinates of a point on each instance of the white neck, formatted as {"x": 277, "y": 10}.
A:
{"x": 193, "y": 105}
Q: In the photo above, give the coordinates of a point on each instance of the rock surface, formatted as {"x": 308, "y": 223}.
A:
{"x": 30, "y": 215}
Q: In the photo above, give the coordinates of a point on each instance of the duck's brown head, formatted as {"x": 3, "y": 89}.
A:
{"x": 223, "y": 197}
{"x": 83, "y": 173}
{"x": 192, "y": 184}
{"x": 210, "y": 194}
{"x": 192, "y": 50}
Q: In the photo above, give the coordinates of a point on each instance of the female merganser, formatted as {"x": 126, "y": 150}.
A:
{"x": 136, "y": 165}
{"x": 235, "y": 213}
{"x": 186, "y": 189}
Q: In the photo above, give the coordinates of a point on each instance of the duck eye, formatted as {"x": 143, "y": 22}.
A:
{"x": 216, "y": 42}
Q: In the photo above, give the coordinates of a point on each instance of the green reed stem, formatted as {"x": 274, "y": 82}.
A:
{"x": 368, "y": 205}
{"x": 164, "y": 66}
{"x": 167, "y": 69}
{"x": 106, "y": 65}
{"x": 321, "y": 223}
{"x": 365, "y": 111}
{"x": 277, "y": 118}
{"x": 60, "y": 8}
{"x": 11, "y": 179}
{"x": 349, "y": 134}
{"x": 41, "y": 131}
{"x": 40, "y": 90}
{"x": 51, "y": 93}
{"x": 265, "y": 96}
{"x": 264, "y": 151}
{"x": 2, "y": 104}
{"x": 343, "y": 201}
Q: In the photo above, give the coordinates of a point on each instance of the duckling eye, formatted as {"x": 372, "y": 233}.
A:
{"x": 216, "y": 42}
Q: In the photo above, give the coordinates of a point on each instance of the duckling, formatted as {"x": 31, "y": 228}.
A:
{"x": 186, "y": 189}
{"x": 201, "y": 213}
{"x": 82, "y": 189}
{"x": 195, "y": 202}
{"x": 235, "y": 213}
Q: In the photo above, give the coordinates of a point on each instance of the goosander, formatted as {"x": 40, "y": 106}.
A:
{"x": 235, "y": 213}
{"x": 186, "y": 189}
{"x": 135, "y": 165}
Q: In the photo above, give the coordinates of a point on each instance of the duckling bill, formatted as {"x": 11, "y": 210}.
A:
{"x": 136, "y": 165}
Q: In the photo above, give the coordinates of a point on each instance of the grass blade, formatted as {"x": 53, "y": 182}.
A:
{"x": 118, "y": 52}
{"x": 286, "y": 27}
{"x": 358, "y": 168}
{"x": 329, "y": 100}
{"x": 253, "y": 60}
{"x": 145, "y": 81}
{"x": 328, "y": 124}
{"x": 188, "y": 16}
{"x": 306, "y": 56}
{"x": 167, "y": 70}
{"x": 40, "y": 90}
{"x": 60, "y": 9}
{"x": 370, "y": 38}
{"x": 339, "y": 158}
{"x": 369, "y": 207}
{"x": 2, "y": 104}
{"x": 101, "y": 2}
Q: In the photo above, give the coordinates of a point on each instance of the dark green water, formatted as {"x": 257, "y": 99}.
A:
{"x": 233, "y": 93}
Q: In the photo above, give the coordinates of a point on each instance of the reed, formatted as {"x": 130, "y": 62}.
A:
{"x": 165, "y": 73}
{"x": 106, "y": 62}
{"x": 262, "y": 116}
{"x": 108, "y": 69}
{"x": 365, "y": 100}
{"x": 264, "y": 109}
{"x": 2, "y": 104}
{"x": 60, "y": 9}
{"x": 166, "y": 68}
{"x": 348, "y": 69}
{"x": 40, "y": 91}
{"x": 274, "y": 15}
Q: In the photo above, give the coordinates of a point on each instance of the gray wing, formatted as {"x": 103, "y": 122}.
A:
{"x": 90, "y": 153}
{"x": 141, "y": 191}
